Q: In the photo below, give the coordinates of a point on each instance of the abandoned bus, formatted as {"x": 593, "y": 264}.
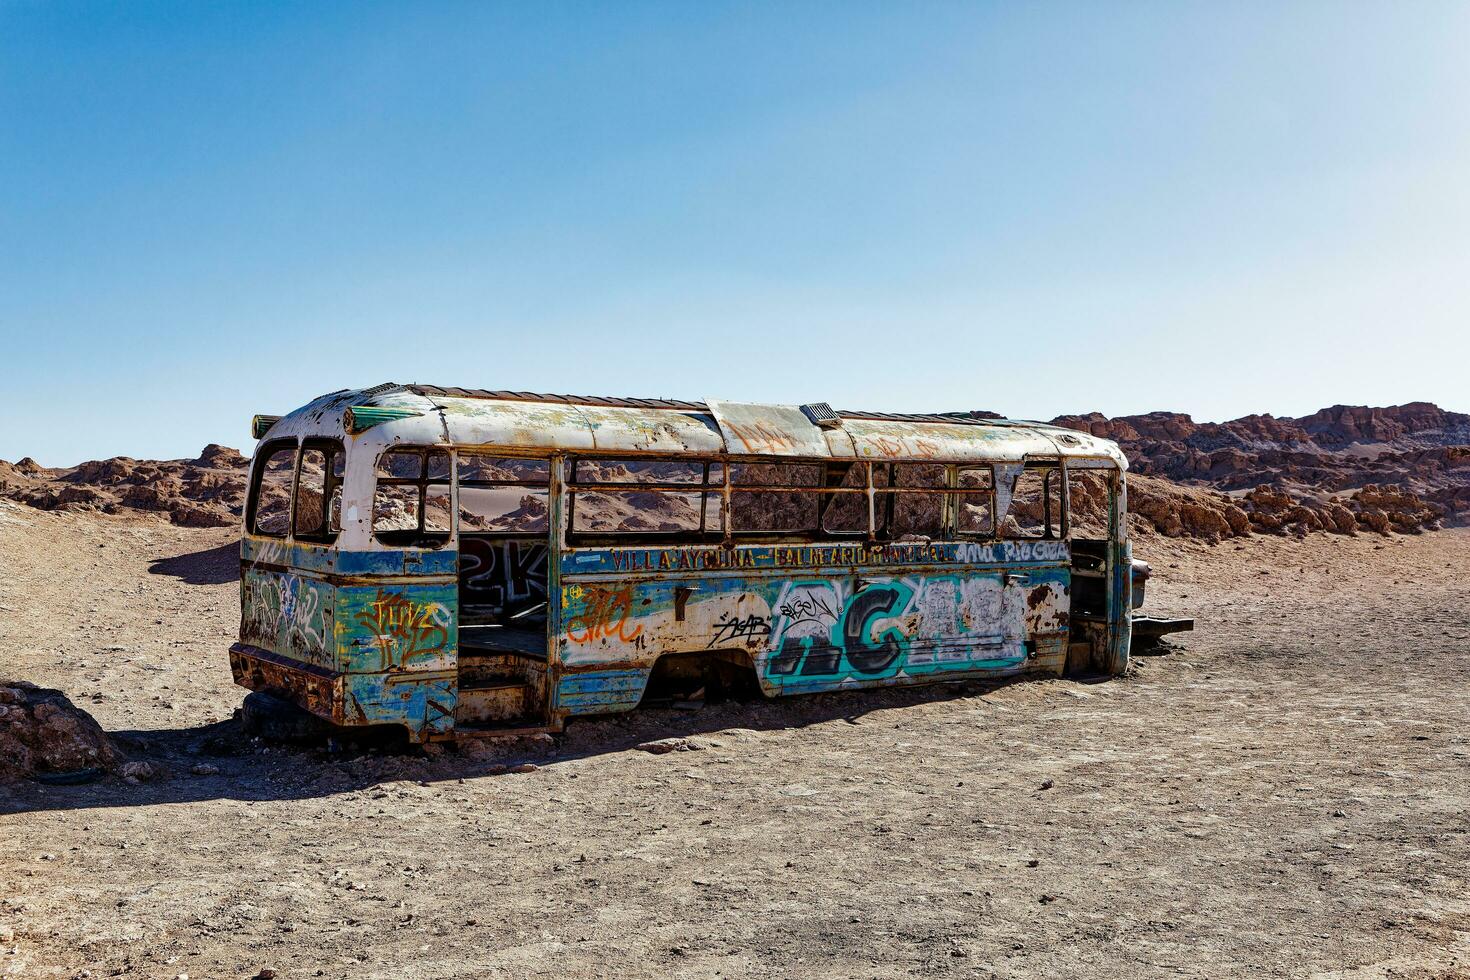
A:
{"x": 465, "y": 562}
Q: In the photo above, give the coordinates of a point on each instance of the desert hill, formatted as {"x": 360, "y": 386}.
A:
{"x": 204, "y": 492}
{"x": 1402, "y": 468}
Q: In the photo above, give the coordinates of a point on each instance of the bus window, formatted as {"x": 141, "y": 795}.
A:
{"x": 411, "y": 503}
{"x": 319, "y": 492}
{"x": 503, "y": 493}
{"x": 918, "y": 513}
{"x": 271, "y": 508}
{"x": 846, "y": 513}
{"x": 976, "y": 501}
{"x": 774, "y": 498}
{"x": 642, "y": 496}
{"x": 1034, "y": 511}
{"x": 1087, "y": 505}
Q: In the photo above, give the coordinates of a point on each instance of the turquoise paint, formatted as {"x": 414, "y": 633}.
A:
{"x": 327, "y": 559}
{"x": 811, "y": 630}
{"x": 395, "y": 627}
{"x": 600, "y": 692}
{"x": 424, "y": 703}
{"x": 392, "y": 645}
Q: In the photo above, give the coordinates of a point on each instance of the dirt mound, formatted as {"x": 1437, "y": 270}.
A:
{"x": 204, "y": 492}
{"x": 1403, "y": 468}
{"x": 42, "y": 732}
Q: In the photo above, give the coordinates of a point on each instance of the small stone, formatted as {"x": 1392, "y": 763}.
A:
{"x": 266, "y": 974}
{"x": 664, "y": 746}
{"x": 139, "y": 771}
{"x": 204, "y": 769}
{"x": 525, "y": 767}
{"x": 1048, "y": 784}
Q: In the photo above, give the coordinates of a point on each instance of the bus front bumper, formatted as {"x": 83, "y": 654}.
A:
{"x": 315, "y": 689}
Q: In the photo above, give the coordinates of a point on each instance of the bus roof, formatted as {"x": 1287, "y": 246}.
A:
{"x": 418, "y": 414}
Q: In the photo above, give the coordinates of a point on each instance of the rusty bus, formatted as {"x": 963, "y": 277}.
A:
{"x": 464, "y": 562}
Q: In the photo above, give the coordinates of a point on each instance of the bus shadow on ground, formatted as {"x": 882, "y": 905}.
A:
{"x": 221, "y": 762}
{"x": 213, "y": 566}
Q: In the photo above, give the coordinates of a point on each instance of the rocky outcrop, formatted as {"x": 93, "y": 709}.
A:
{"x": 1403, "y": 468}
{"x": 204, "y": 492}
{"x": 42, "y": 732}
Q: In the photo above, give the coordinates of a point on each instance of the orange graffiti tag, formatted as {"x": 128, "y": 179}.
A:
{"x": 926, "y": 448}
{"x": 888, "y": 446}
{"x": 606, "y": 616}
{"x": 760, "y": 436}
{"x": 400, "y": 625}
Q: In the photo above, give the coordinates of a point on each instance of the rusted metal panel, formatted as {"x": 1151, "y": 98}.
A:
{"x": 313, "y": 688}
{"x": 813, "y": 618}
{"x": 491, "y": 703}
{"x": 775, "y": 430}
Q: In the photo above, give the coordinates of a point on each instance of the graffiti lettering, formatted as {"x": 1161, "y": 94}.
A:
{"x": 807, "y": 608}
{"x": 498, "y": 573}
{"x": 865, "y": 656}
{"x": 760, "y": 437}
{"x": 286, "y": 612}
{"x": 818, "y": 556}
{"x": 813, "y": 654}
{"x": 734, "y": 628}
{"x": 404, "y": 629}
{"x": 606, "y": 615}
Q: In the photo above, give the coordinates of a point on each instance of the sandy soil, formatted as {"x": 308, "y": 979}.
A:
{"x": 1285, "y": 794}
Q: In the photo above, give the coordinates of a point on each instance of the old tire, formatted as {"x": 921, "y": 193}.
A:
{"x": 279, "y": 720}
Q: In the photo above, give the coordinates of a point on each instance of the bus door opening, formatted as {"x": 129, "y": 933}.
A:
{"x": 504, "y": 547}
{"x": 1090, "y": 512}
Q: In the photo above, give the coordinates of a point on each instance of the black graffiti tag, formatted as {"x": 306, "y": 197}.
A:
{"x": 865, "y": 657}
{"x": 807, "y": 609}
{"x": 734, "y": 628}
{"x": 499, "y": 573}
{"x": 817, "y": 654}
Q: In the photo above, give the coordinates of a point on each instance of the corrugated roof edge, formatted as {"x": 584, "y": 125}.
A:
{"x": 679, "y": 405}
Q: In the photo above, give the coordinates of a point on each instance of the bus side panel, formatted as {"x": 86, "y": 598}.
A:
{"x": 421, "y": 701}
{"x": 398, "y": 647}
{"x": 289, "y": 613}
{"x": 397, "y": 627}
{"x": 814, "y": 629}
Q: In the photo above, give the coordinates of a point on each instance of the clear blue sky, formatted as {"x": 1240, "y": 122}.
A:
{"x": 213, "y": 209}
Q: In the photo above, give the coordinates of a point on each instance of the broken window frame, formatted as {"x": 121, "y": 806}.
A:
{"x": 826, "y": 493}
{"x": 332, "y": 449}
{"x": 429, "y": 540}
{"x": 985, "y": 493}
{"x": 1052, "y": 502}
{"x": 886, "y": 500}
{"x": 704, "y": 489}
{"x": 1080, "y": 469}
{"x": 460, "y": 483}
{"x": 252, "y": 511}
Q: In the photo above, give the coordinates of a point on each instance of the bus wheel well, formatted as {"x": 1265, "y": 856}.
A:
{"x": 713, "y": 675}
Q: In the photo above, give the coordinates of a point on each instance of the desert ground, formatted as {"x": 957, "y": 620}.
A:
{"x": 1283, "y": 793}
